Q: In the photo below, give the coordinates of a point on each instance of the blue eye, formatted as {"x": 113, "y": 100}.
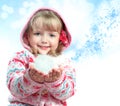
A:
{"x": 52, "y": 35}
{"x": 37, "y": 34}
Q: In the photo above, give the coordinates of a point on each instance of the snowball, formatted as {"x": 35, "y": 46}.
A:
{"x": 44, "y": 63}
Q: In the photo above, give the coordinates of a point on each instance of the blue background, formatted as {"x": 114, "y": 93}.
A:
{"x": 95, "y": 29}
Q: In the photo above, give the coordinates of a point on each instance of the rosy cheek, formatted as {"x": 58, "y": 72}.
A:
{"x": 56, "y": 46}
{"x": 34, "y": 41}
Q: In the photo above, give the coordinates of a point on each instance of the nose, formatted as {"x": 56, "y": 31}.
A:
{"x": 44, "y": 39}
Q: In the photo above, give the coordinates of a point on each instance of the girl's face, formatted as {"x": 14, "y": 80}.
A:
{"x": 44, "y": 41}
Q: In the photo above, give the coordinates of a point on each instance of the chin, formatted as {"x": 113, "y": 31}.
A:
{"x": 44, "y": 52}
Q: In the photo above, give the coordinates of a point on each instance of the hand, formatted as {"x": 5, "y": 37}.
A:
{"x": 54, "y": 75}
{"x": 36, "y": 75}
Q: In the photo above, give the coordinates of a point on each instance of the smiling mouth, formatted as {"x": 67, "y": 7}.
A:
{"x": 44, "y": 47}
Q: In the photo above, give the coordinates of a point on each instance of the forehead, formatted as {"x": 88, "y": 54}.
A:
{"x": 46, "y": 23}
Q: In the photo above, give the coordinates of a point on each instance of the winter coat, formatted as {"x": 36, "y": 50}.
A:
{"x": 26, "y": 92}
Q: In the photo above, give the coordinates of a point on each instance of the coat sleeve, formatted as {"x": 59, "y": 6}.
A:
{"x": 18, "y": 80}
{"x": 65, "y": 86}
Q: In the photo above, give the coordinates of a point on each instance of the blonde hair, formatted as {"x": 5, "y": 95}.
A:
{"x": 48, "y": 20}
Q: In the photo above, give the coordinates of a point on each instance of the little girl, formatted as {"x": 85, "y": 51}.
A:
{"x": 44, "y": 33}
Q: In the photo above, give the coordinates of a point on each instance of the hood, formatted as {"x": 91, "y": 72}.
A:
{"x": 24, "y": 39}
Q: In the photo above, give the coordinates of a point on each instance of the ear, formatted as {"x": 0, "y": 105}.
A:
{"x": 26, "y": 39}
